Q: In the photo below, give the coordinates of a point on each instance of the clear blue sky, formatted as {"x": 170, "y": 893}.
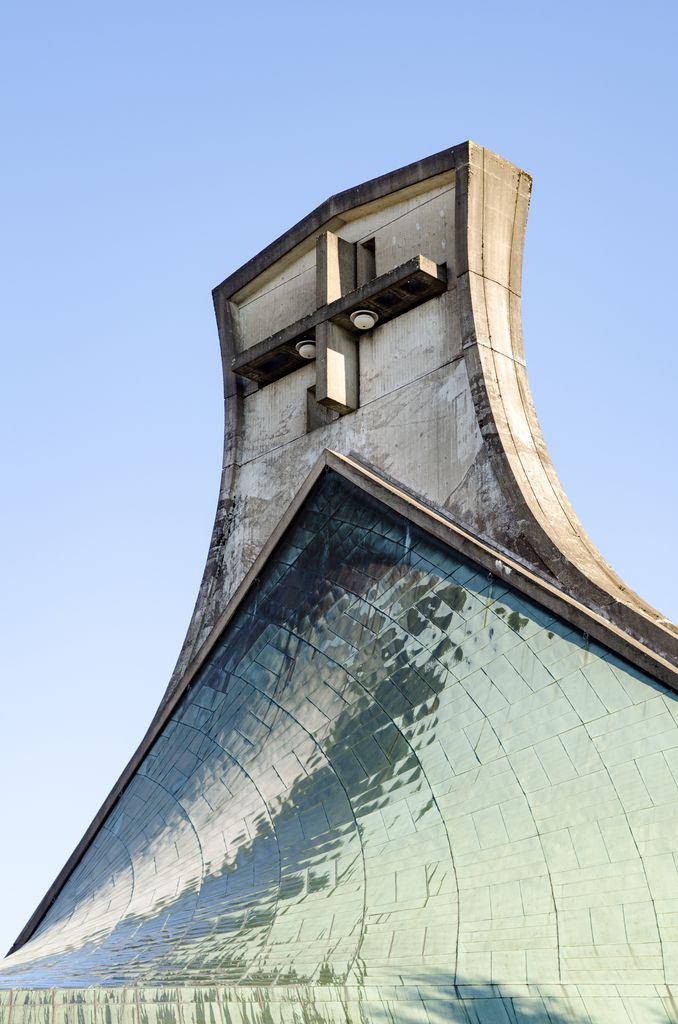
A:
{"x": 151, "y": 148}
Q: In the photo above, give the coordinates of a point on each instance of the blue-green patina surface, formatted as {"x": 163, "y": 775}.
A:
{"x": 398, "y": 791}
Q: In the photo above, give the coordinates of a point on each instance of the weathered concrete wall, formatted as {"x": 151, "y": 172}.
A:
{"x": 445, "y": 407}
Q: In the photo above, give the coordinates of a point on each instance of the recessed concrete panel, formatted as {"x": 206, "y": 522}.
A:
{"x": 283, "y": 300}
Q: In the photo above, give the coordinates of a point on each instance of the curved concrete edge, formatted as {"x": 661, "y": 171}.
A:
{"x": 492, "y": 198}
{"x": 537, "y": 522}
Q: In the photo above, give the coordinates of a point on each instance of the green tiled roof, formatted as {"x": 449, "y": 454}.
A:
{"x": 397, "y": 791}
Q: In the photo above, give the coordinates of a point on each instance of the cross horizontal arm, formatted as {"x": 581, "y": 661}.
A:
{"x": 389, "y": 295}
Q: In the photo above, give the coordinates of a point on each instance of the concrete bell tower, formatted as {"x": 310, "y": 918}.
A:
{"x": 418, "y": 760}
